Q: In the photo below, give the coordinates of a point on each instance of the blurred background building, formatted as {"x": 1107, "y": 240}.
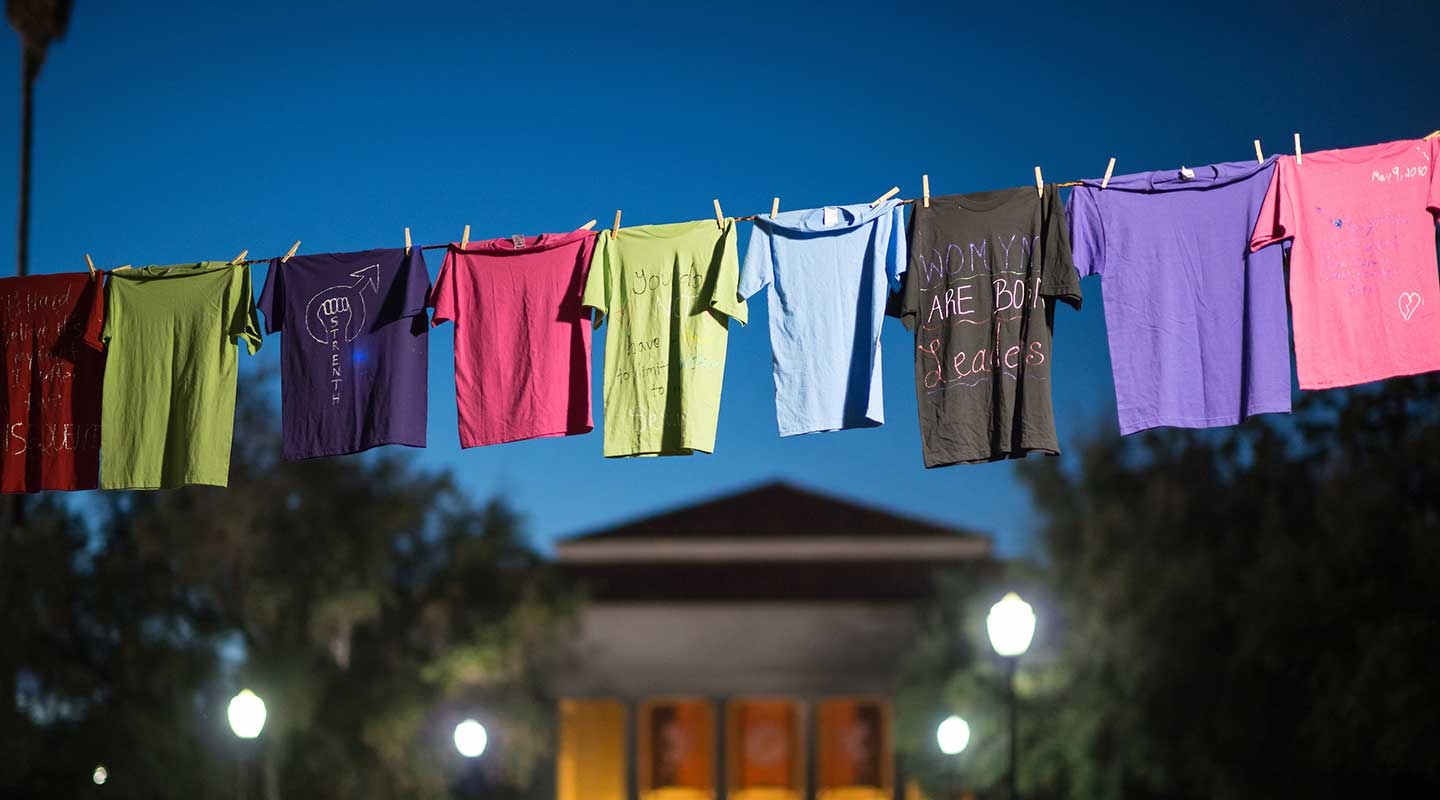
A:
{"x": 746, "y": 648}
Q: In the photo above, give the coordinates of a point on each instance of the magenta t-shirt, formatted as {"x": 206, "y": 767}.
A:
{"x": 1363, "y": 284}
{"x": 522, "y": 340}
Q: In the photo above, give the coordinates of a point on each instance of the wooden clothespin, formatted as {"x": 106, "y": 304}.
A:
{"x": 407, "y": 241}
{"x": 587, "y": 226}
{"x": 1039, "y": 182}
{"x": 465, "y": 237}
{"x": 615, "y": 229}
{"x": 1433, "y": 135}
{"x": 925, "y": 189}
{"x": 1297, "y": 149}
{"x": 774, "y": 208}
{"x": 1104, "y": 182}
{"x": 289, "y": 254}
{"x": 894, "y": 190}
{"x": 1259, "y": 154}
{"x": 719, "y": 215}
{"x": 89, "y": 264}
{"x": 121, "y": 269}
{"x": 235, "y": 262}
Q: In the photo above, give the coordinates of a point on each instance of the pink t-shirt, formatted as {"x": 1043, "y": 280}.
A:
{"x": 522, "y": 340}
{"x": 1364, "y": 289}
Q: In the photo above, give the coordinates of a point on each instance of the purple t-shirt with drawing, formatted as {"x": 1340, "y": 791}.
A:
{"x": 354, "y": 356}
{"x": 1197, "y": 323}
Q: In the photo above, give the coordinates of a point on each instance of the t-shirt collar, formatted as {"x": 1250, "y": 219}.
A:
{"x": 1206, "y": 176}
{"x": 544, "y": 241}
{"x": 812, "y": 220}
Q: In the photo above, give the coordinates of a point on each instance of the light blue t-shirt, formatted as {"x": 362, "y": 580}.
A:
{"x": 829, "y": 271}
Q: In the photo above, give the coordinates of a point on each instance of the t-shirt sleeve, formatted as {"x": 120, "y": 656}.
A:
{"x": 1434, "y": 202}
{"x": 1276, "y": 221}
{"x": 442, "y": 296}
{"x": 597, "y": 283}
{"x": 759, "y": 268}
{"x": 244, "y": 323}
{"x": 727, "y": 299}
{"x": 896, "y": 257}
{"x": 97, "y": 320}
{"x": 1087, "y": 232}
{"x": 417, "y": 283}
{"x": 906, "y": 303}
{"x": 1060, "y": 279}
{"x": 272, "y": 297}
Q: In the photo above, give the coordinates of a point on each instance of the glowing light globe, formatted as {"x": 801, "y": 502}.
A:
{"x": 247, "y": 714}
{"x": 953, "y": 735}
{"x": 1011, "y": 624}
{"x": 470, "y": 738}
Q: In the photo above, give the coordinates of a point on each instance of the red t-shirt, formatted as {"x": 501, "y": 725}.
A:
{"x": 53, "y": 382}
{"x": 522, "y": 339}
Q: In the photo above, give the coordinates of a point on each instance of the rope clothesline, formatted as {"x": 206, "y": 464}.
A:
{"x": 719, "y": 217}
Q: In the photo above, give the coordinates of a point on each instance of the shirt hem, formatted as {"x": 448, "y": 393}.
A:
{"x": 350, "y": 451}
{"x": 867, "y": 422}
{"x": 992, "y": 456}
{"x": 1337, "y": 383}
{"x": 1224, "y": 421}
{"x": 180, "y": 484}
{"x": 675, "y": 451}
{"x": 39, "y": 489}
{"x": 466, "y": 444}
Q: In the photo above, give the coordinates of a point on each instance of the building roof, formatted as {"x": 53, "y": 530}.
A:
{"x": 775, "y": 510}
{"x": 770, "y": 542}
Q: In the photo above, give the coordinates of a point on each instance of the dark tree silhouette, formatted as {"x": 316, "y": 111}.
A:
{"x": 370, "y": 603}
{"x": 1239, "y": 613}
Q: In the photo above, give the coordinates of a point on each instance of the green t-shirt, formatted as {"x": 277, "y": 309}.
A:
{"x": 168, "y": 411}
{"x": 670, "y": 291}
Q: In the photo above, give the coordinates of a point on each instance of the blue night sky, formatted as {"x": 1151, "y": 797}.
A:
{"x": 171, "y": 132}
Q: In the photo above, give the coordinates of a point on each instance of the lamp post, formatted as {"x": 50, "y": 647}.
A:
{"x": 1011, "y": 625}
{"x": 953, "y": 736}
{"x": 246, "y": 713}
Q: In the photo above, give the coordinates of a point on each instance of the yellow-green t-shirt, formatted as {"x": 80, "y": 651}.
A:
{"x": 168, "y": 411}
{"x": 670, "y": 292}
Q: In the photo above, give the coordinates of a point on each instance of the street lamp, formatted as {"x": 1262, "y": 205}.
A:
{"x": 953, "y": 735}
{"x": 247, "y": 714}
{"x": 1011, "y": 625}
{"x": 470, "y": 738}
{"x": 100, "y": 775}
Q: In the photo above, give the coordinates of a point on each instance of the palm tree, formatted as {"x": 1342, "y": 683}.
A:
{"x": 39, "y": 22}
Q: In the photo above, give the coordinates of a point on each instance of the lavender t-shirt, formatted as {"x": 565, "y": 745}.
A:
{"x": 1197, "y": 323}
{"x": 355, "y": 351}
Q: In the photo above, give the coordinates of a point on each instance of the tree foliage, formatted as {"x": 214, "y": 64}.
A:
{"x": 1241, "y": 613}
{"x": 370, "y": 603}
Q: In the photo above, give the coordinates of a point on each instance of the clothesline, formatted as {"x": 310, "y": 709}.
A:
{"x": 982, "y": 323}
{"x": 925, "y": 179}
{"x": 242, "y": 260}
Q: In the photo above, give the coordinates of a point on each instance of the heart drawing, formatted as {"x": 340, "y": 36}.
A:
{"x": 1408, "y": 302}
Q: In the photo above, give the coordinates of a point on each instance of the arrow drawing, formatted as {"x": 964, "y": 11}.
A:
{"x": 335, "y": 308}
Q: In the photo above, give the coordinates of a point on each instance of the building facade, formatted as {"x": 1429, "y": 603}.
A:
{"x": 746, "y": 648}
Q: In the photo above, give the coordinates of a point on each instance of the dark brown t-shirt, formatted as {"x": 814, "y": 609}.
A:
{"x": 985, "y": 270}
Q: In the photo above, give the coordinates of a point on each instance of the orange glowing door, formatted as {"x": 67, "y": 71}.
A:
{"x": 854, "y": 749}
{"x": 764, "y": 750}
{"x": 677, "y": 750}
